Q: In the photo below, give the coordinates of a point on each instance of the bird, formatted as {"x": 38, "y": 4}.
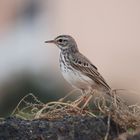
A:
{"x": 77, "y": 69}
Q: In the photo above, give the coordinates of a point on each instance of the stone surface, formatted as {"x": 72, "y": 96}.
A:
{"x": 68, "y": 128}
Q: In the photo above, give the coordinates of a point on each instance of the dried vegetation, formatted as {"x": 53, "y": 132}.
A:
{"x": 127, "y": 117}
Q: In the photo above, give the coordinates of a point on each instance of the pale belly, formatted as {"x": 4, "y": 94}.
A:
{"x": 76, "y": 79}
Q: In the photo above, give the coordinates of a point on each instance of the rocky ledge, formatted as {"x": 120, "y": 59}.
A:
{"x": 68, "y": 128}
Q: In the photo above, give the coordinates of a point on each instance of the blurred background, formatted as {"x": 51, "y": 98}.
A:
{"x": 107, "y": 32}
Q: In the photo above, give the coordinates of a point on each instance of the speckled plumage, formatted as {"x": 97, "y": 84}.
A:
{"x": 76, "y": 68}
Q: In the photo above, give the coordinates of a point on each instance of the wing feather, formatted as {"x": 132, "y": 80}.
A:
{"x": 83, "y": 65}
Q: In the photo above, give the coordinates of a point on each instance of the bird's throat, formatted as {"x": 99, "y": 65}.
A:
{"x": 71, "y": 50}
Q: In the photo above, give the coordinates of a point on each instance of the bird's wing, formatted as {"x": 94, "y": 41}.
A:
{"x": 82, "y": 64}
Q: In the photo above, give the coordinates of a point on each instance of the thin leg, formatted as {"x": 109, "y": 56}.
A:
{"x": 81, "y": 98}
{"x": 87, "y": 101}
{"x": 90, "y": 95}
{"x": 84, "y": 99}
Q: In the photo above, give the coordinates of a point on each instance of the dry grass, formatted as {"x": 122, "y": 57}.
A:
{"x": 115, "y": 108}
{"x": 121, "y": 113}
{"x": 52, "y": 110}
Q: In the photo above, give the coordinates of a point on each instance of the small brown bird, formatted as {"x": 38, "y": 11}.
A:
{"x": 77, "y": 69}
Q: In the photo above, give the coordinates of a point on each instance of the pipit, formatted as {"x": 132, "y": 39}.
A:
{"x": 77, "y": 69}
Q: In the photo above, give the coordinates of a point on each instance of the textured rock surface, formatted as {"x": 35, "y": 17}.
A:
{"x": 68, "y": 128}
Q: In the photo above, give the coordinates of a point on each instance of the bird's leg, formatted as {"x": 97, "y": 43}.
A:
{"x": 87, "y": 101}
{"x": 82, "y": 98}
{"x": 90, "y": 95}
{"x": 78, "y": 101}
{"x": 85, "y": 98}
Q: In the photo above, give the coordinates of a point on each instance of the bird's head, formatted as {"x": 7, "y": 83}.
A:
{"x": 64, "y": 42}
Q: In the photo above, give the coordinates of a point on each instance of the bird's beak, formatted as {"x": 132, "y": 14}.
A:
{"x": 50, "y": 41}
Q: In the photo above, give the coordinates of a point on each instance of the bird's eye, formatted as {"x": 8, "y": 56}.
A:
{"x": 60, "y": 40}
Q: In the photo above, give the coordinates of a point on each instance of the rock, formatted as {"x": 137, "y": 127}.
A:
{"x": 68, "y": 128}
